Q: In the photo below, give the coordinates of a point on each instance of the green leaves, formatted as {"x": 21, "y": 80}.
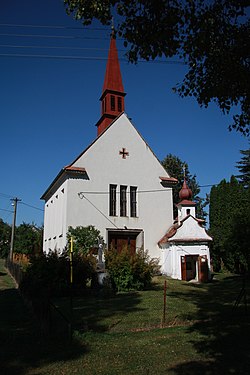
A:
{"x": 130, "y": 271}
{"x": 5, "y": 234}
{"x": 85, "y": 238}
{"x": 174, "y": 166}
{"x": 211, "y": 36}
{"x": 229, "y": 223}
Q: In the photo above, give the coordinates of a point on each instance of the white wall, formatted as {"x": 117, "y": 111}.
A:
{"x": 105, "y": 166}
{"x": 171, "y": 257}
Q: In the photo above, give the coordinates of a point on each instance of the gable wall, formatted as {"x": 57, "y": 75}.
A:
{"x": 105, "y": 166}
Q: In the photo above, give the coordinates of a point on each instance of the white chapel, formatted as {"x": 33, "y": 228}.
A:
{"x": 116, "y": 184}
{"x": 186, "y": 253}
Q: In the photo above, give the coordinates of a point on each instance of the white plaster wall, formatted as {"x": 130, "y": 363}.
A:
{"x": 55, "y": 220}
{"x": 190, "y": 229}
{"x": 105, "y": 166}
{"x": 172, "y": 257}
{"x": 182, "y": 211}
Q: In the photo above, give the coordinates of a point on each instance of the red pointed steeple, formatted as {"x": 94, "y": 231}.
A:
{"x": 113, "y": 92}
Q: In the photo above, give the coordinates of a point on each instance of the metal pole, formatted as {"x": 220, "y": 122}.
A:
{"x": 71, "y": 286}
{"x": 164, "y": 304}
{"x": 15, "y": 200}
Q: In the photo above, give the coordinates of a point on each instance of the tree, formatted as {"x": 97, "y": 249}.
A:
{"x": 244, "y": 168}
{"x": 205, "y": 35}
{"x": 85, "y": 238}
{"x": 229, "y": 225}
{"x": 28, "y": 239}
{"x": 174, "y": 166}
{"x": 5, "y": 234}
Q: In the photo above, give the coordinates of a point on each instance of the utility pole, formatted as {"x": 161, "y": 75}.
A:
{"x": 15, "y": 201}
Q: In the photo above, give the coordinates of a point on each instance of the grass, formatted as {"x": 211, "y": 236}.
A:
{"x": 121, "y": 335}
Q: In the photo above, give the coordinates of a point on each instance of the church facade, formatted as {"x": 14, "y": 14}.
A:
{"x": 116, "y": 184}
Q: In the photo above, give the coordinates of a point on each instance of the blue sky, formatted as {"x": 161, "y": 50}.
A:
{"x": 49, "y": 106}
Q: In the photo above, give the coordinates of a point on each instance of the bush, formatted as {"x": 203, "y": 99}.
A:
{"x": 130, "y": 271}
{"x": 85, "y": 238}
{"x": 49, "y": 275}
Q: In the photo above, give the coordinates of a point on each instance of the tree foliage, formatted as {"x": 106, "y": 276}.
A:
{"x": 244, "y": 168}
{"x": 5, "y": 235}
{"x": 130, "y": 271}
{"x": 49, "y": 275}
{"x": 229, "y": 225}
{"x": 85, "y": 238}
{"x": 210, "y": 36}
{"x": 174, "y": 166}
{"x": 28, "y": 239}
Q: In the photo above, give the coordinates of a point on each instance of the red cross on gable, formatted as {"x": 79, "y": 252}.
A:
{"x": 124, "y": 153}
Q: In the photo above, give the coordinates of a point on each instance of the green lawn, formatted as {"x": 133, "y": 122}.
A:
{"x": 122, "y": 335}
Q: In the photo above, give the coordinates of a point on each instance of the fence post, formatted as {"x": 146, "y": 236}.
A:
{"x": 164, "y": 304}
{"x": 71, "y": 287}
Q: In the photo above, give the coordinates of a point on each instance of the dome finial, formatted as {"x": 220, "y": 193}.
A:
{"x": 185, "y": 192}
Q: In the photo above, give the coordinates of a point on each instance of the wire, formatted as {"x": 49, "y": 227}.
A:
{"x": 81, "y": 196}
{"x": 29, "y": 205}
{"x": 139, "y": 191}
{"x": 6, "y": 196}
{"x": 53, "y": 56}
{"x": 3, "y": 209}
{"x": 53, "y": 36}
{"x": 85, "y": 58}
{"x": 55, "y": 47}
{"x": 56, "y": 27}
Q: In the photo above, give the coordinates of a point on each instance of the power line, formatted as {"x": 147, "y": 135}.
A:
{"x": 56, "y": 27}
{"x": 29, "y": 205}
{"x": 53, "y": 36}
{"x": 3, "y": 209}
{"x": 54, "y": 47}
{"x": 53, "y": 57}
{"x": 6, "y": 196}
{"x": 68, "y": 57}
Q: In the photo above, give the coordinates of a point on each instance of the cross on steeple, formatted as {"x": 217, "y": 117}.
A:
{"x": 184, "y": 170}
{"x": 124, "y": 153}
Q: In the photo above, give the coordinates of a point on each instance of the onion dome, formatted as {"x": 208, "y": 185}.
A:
{"x": 185, "y": 193}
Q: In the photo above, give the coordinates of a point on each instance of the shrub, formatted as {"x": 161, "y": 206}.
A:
{"x": 85, "y": 238}
{"x": 130, "y": 271}
{"x": 49, "y": 275}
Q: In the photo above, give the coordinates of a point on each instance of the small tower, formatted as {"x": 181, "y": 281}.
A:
{"x": 112, "y": 98}
{"x": 186, "y": 206}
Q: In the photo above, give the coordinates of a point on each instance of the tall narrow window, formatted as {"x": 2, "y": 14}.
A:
{"x": 123, "y": 200}
{"x": 133, "y": 203}
{"x": 119, "y": 104}
{"x": 112, "y": 103}
{"x": 112, "y": 200}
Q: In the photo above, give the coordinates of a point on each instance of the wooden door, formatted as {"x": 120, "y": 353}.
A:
{"x": 119, "y": 241}
{"x": 203, "y": 269}
{"x": 183, "y": 268}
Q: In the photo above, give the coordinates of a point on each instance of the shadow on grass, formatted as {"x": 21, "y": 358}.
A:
{"x": 101, "y": 314}
{"x": 222, "y": 333}
{"x": 22, "y": 345}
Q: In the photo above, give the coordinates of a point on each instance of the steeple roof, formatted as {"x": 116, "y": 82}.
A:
{"x": 185, "y": 195}
{"x": 113, "y": 92}
{"x": 113, "y": 77}
{"x": 185, "y": 192}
